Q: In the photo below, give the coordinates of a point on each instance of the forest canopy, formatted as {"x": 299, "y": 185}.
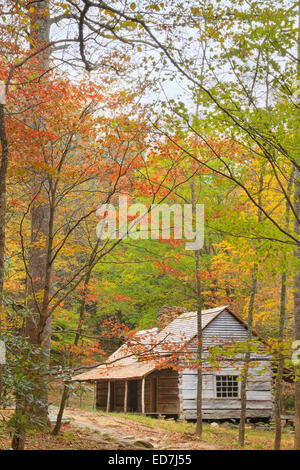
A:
{"x": 177, "y": 103}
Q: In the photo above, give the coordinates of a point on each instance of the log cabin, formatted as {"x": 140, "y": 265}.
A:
{"x": 125, "y": 383}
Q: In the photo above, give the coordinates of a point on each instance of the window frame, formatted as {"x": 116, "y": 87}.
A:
{"x": 225, "y": 374}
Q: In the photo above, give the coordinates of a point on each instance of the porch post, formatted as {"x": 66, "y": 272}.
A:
{"x": 95, "y": 395}
{"x": 125, "y": 396}
{"x": 143, "y": 395}
{"x": 108, "y": 397}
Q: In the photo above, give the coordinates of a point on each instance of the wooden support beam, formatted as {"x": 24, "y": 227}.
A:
{"x": 125, "y": 396}
{"x": 143, "y": 395}
{"x": 108, "y": 397}
{"x": 95, "y": 395}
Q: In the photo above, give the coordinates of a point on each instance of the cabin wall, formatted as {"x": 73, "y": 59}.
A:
{"x": 117, "y": 395}
{"x": 119, "y": 390}
{"x": 101, "y": 394}
{"x": 259, "y": 387}
{"x": 167, "y": 395}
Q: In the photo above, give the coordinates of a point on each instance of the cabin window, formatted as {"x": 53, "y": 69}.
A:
{"x": 227, "y": 386}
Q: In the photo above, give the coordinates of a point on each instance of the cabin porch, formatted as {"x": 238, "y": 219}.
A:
{"x": 155, "y": 393}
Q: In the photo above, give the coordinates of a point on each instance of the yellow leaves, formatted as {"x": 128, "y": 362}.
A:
{"x": 130, "y": 24}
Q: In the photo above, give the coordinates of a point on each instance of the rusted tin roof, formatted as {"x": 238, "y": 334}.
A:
{"x": 114, "y": 372}
{"x": 122, "y": 364}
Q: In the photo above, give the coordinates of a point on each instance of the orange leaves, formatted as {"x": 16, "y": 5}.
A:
{"x": 165, "y": 267}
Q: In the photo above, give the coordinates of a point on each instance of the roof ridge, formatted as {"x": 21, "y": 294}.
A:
{"x": 205, "y": 311}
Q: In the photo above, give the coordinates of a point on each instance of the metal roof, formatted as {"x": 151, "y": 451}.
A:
{"x": 122, "y": 364}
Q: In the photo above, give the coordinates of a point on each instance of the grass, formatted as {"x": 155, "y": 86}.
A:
{"x": 223, "y": 436}
{"x": 69, "y": 439}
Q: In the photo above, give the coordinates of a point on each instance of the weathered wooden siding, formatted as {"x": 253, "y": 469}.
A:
{"x": 224, "y": 327}
{"x": 119, "y": 389}
{"x": 167, "y": 395}
{"x": 101, "y": 395}
{"x": 259, "y": 390}
{"x": 167, "y": 391}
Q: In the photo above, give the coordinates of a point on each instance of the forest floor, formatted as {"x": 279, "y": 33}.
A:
{"x": 127, "y": 433}
{"x": 96, "y": 430}
{"x": 172, "y": 434}
{"x": 93, "y": 430}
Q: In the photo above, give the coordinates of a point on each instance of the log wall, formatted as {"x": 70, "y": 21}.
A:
{"x": 101, "y": 395}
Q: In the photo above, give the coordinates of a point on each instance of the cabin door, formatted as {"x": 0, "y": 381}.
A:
{"x": 133, "y": 395}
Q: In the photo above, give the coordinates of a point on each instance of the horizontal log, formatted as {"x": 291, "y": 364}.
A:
{"x": 192, "y": 394}
{"x": 259, "y": 395}
{"x": 226, "y": 414}
{"x": 168, "y": 408}
{"x": 168, "y": 399}
{"x": 191, "y": 382}
{"x": 168, "y": 382}
{"x": 224, "y": 403}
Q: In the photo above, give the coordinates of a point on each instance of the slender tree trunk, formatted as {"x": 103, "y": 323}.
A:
{"x": 280, "y": 364}
{"x": 297, "y": 315}
{"x": 3, "y": 173}
{"x": 63, "y": 402}
{"x": 199, "y": 427}
{"x": 250, "y": 328}
{"x": 247, "y": 359}
{"x": 282, "y": 316}
{"x": 297, "y": 278}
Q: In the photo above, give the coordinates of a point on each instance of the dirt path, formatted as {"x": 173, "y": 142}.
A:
{"x": 127, "y": 434}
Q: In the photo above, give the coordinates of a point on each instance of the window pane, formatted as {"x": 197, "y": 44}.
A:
{"x": 226, "y": 386}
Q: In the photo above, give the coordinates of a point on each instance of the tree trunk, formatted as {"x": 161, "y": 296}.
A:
{"x": 199, "y": 426}
{"x": 38, "y": 324}
{"x": 247, "y": 359}
{"x": 282, "y": 316}
{"x": 250, "y": 327}
{"x": 18, "y": 441}
{"x": 280, "y": 364}
{"x": 63, "y": 402}
{"x": 3, "y": 173}
{"x": 297, "y": 277}
{"x": 297, "y": 315}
